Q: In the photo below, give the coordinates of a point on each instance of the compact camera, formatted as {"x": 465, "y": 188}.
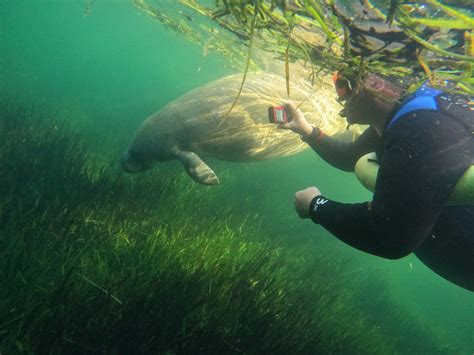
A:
{"x": 277, "y": 114}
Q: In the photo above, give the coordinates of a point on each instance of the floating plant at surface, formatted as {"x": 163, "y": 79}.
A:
{"x": 433, "y": 38}
{"x": 92, "y": 260}
{"x": 173, "y": 16}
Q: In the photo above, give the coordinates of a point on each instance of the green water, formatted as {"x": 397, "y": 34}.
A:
{"x": 113, "y": 67}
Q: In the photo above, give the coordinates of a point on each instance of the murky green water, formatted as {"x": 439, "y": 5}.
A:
{"x": 113, "y": 67}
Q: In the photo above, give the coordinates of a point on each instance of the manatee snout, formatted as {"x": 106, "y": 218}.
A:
{"x": 131, "y": 164}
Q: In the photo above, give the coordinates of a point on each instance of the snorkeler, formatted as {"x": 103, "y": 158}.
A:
{"x": 424, "y": 144}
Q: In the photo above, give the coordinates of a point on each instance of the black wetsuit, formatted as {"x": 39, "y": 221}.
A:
{"x": 422, "y": 156}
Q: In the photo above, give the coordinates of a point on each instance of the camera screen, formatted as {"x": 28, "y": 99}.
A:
{"x": 280, "y": 115}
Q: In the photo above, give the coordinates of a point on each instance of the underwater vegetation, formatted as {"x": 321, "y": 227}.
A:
{"x": 432, "y": 38}
{"x": 92, "y": 260}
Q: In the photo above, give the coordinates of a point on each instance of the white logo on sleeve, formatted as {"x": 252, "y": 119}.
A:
{"x": 319, "y": 201}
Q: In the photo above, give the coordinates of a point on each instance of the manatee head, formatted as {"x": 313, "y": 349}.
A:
{"x": 145, "y": 149}
{"x": 133, "y": 162}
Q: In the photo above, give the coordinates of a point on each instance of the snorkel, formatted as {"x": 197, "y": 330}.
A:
{"x": 343, "y": 86}
{"x": 344, "y": 89}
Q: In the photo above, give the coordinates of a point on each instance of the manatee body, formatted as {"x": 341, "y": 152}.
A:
{"x": 198, "y": 124}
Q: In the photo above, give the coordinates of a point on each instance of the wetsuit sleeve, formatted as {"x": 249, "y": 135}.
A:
{"x": 340, "y": 154}
{"x": 425, "y": 154}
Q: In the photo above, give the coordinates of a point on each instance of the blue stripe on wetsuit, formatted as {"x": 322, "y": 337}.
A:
{"x": 422, "y": 99}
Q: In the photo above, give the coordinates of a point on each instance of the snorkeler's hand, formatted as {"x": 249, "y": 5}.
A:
{"x": 298, "y": 123}
{"x": 303, "y": 199}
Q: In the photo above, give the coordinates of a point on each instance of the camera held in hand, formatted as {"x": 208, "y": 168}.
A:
{"x": 277, "y": 114}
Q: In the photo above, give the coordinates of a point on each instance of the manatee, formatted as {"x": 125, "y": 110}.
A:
{"x": 198, "y": 124}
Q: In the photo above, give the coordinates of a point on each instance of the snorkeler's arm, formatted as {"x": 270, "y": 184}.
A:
{"x": 424, "y": 157}
{"x": 340, "y": 154}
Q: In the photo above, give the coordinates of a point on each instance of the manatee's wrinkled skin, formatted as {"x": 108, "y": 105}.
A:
{"x": 196, "y": 124}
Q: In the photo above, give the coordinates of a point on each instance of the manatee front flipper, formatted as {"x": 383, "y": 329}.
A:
{"x": 196, "y": 168}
